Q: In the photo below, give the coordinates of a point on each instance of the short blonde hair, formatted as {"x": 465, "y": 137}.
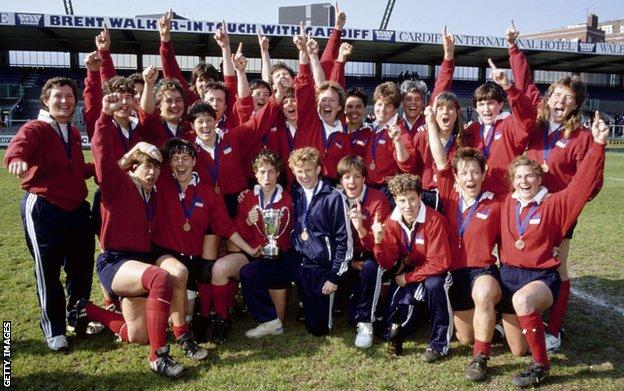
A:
{"x": 306, "y": 155}
{"x": 524, "y": 161}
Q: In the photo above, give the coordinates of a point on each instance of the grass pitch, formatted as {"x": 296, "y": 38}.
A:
{"x": 592, "y": 357}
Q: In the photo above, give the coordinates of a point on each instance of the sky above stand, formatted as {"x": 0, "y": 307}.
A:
{"x": 462, "y": 17}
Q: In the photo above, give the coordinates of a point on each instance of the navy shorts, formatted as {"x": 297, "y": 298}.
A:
{"x": 570, "y": 232}
{"x": 460, "y": 293}
{"x": 514, "y": 278}
{"x": 109, "y": 262}
{"x": 194, "y": 264}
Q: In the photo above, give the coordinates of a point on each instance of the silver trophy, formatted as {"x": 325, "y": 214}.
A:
{"x": 272, "y": 220}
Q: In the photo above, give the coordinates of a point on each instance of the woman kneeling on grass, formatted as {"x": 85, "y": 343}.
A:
{"x": 126, "y": 265}
{"x": 533, "y": 222}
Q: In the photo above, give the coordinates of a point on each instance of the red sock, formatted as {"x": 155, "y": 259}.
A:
{"x": 123, "y": 333}
{"x": 220, "y": 295}
{"x": 179, "y": 331}
{"x": 533, "y": 330}
{"x": 233, "y": 286}
{"x": 481, "y": 347}
{"x": 558, "y": 310}
{"x": 205, "y": 299}
{"x": 158, "y": 283}
{"x": 110, "y": 319}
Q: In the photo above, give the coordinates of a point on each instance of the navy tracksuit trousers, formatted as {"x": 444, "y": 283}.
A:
{"x": 58, "y": 239}
{"x": 410, "y": 305}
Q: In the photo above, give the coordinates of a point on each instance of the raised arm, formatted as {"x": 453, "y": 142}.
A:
{"x": 435, "y": 144}
{"x": 92, "y": 93}
{"x": 240, "y": 64}
{"x": 265, "y": 57}
{"x": 330, "y": 53}
{"x": 447, "y": 68}
{"x": 520, "y": 67}
{"x": 315, "y": 64}
{"x": 338, "y": 70}
{"x": 102, "y": 43}
{"x": 170, "y": 67}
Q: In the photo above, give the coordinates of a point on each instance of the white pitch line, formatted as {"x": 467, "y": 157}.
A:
{"x": 583, "y": 295}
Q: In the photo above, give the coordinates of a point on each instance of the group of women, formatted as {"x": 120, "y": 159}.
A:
{"x": 477, "y": 217}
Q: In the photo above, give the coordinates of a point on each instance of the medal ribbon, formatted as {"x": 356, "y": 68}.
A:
{"x": 150, "y": 205}
{"x": 214, "y": 168}
{"x": 449, "y": 144}
{"x": 487, "y": 141}
{"x": 462, "y": 224}
{"x": 261, "y": 195}
{"x": 66, "y": 145}
{"x": 521, "y": 226}
{"x": 289, "y": 138}
{"x": 306, "y": 205}
{"x": 188, "y": 212}
{"x": 548, "y": 146}
{"x": 378, "y": 136}
{"x": 408, "y": 242}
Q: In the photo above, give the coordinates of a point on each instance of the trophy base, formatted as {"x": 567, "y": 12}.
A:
{"x": 270, "y": 251}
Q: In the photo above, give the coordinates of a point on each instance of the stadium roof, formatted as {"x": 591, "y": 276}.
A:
{"x": 41, "y": 32}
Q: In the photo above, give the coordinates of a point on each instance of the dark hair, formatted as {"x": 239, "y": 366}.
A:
{"x": 198, "y": 108}
{"x": 258, "y": 83}
{"x": 136, "y": 78}
{"x": 450, "y": 99}
{"x": 205, "y": 70}
{"x": 178, "y": 145}
{"x": 281, "y": 65}
{"x": 118, "y": 84}
{"x": 216, "y": 85}
{"x": 351, "y": 163}
{"x": 486, "y": 91}
{"x": 468, "y": 154}
{"x": 57, "y": 82}
{"x": 358, "y": 93}
{"x": 266, "y": 156}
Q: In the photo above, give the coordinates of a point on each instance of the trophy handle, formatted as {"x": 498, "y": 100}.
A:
{"x": 287, "y": 220}
{"x": 259, "y": 217}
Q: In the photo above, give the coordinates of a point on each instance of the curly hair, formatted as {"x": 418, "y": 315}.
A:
{"x": 267, "y": 156}
{"x": 414, "y": 86}
{"x": 404, "y": 183}
{"x": 118, "y": 84}
{"x": 388, "y": 92}
{"x": 305, "y": 155}
{"x": 574, "y": 120}
{"x": 168, "y": 85}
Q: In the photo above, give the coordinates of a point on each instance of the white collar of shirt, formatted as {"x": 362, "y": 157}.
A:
{"x": 45, "y": 116}
{"x": 538, "y": 198}
{"x": 552, "y": 127}
{"x": 354, "y": 201}
{"x": 392, "y": 121}
{"x": 485, "y": 195}
{"x": 396, "y": 216}
{"x": 408, "y": 121}
{"x": 278, "y": 193}
{"x": 142, "y": 191}
{"x": 173, "y": 127}
{"x": 206, "y": 147}
{"x": 291, "y": 128}
{"x": 486, "y": 130}
{"x": 133, "y": 124}
{"x": 329, "y": 129}
{"x": 193, "y": 182}
{"x": 309, "y": 193}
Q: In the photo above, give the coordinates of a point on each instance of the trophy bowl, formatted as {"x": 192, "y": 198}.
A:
{"x": 271, "y": 222}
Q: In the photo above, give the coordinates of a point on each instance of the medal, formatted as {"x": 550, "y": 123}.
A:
{"x": 217, "y": 189}
{"x": 372, "y": 166}
{"x": 187, "y": 226}
{"x": 545, "y": 167}
{"x": 522, "y": 225}
{"x": 305, "y": 235}
{"x": 520, "y": 244}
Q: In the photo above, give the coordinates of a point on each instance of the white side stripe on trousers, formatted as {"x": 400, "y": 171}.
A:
{"x": 46, "y": 325}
